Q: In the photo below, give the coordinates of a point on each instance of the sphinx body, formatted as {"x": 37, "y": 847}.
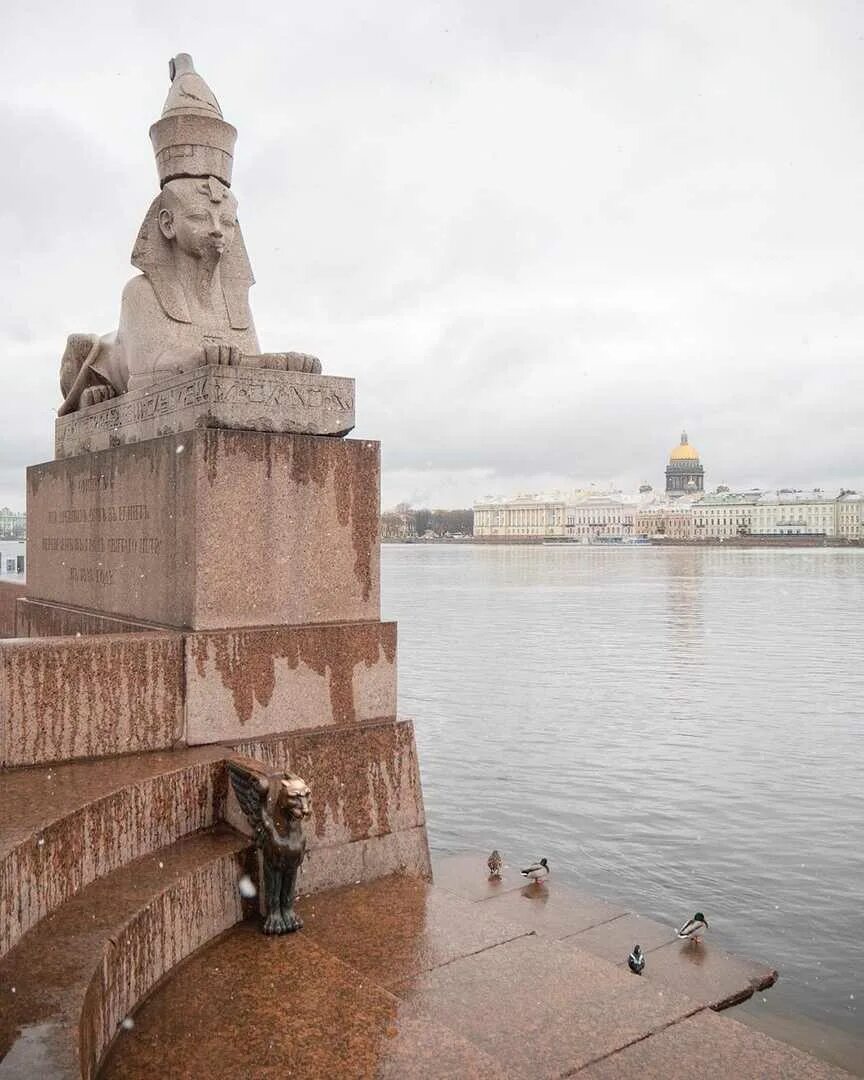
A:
{"x": 189, "y": 306}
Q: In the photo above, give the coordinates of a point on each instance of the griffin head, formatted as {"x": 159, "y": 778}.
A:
{"x": 294, "y": 796}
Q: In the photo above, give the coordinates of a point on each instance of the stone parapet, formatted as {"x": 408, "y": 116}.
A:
{"x": 10, "y": 593}
{"x": 99, "y": 694}
{"x": 71, "y": 697}
{"x": 40, "y": 618}
{"x": 243, "y": 683}
{"x": 209, "y": 529}
{"x": 248, "y": 398}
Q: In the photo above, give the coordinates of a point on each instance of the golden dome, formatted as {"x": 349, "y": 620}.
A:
{"x": 684, "y": 452}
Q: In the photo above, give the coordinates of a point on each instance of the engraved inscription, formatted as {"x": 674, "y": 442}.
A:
{"x": 282, "y": 401}
{"x": 91, "y": 575}
{"x": 137, "y": 545}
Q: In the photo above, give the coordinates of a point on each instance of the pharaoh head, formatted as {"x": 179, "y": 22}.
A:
{"x": 195, "y": 213}
{"x": 200, "y": 216}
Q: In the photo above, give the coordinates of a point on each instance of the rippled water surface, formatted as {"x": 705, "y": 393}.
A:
{"x": 673, "y": 728}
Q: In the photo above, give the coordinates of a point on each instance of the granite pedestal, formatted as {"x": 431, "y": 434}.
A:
{"x": 210, "y": 528}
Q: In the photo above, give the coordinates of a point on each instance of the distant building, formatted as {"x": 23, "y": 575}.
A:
{"x": 850, "y": 515}
{"x": 12, "y": 523}
{"x": 795, "y": 513}
{"x": 13, "y": 562}
{"x": 724, "y": 514}
{"x": 523, "y": 517}
{"x": 684, "y": 472}
{"x": 602, "y": 515}
{"x": 397, "y": 524}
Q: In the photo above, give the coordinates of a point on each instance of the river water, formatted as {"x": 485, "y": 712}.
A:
{"x": 674, "y": 729}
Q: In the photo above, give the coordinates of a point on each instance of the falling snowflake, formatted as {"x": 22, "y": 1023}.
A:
{"x": 127, "y": 1023}
{"x": 180, "y": 448}
{"x": 247, "y": 887}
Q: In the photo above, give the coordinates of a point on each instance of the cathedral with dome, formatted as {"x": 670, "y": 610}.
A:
{"x": 684, "y": 473}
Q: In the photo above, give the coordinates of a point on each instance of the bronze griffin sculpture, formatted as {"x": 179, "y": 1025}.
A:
{"x": 275, "y": 804}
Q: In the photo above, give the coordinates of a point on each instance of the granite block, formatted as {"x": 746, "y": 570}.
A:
{"x": 297, "y": 1011}
{"x": 403, "y": 852}
{"x": 706, "y": 973}
{"x": 214, "y": 395}
{"x": 243, "y": 683}
{"x": 613, "y": 940}
{"x": 551, "y": 909}
{"x": 539, "y": 1009}
{"x": 64, "y": 698}
{"x": 210, "y": 528}
{"x": 40, "y": 618}
{"x": 710, "y": 1047}
{"x": 397, "y": 927}
{"x": 10, "y": 593}
{"x": 467, "y": 875}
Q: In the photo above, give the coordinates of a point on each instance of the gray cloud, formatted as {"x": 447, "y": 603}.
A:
{"x": 541, "y": 237}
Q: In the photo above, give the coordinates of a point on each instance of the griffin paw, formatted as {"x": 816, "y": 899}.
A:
{"x": 275, "y": 924}
{"x": 292, "y": 922}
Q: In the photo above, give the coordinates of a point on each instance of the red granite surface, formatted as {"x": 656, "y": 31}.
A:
{"x": 400, "y": 979}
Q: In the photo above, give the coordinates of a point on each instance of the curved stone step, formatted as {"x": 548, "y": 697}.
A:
{"x": 65, "y": 826}
{"x": 69, "y": 983}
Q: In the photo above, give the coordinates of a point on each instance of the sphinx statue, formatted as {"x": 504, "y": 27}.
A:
{"x": 189, "y": 306}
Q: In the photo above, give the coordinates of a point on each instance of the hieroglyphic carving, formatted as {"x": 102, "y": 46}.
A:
{"x": 251, "y": 398}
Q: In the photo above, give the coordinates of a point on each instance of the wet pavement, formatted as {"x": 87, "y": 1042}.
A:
{"x": 401, "y": 979}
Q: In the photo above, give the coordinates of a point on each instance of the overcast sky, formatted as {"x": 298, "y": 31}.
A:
{"x": 543, "y": 236}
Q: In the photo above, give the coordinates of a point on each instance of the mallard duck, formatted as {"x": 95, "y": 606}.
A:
{"x": 494, "y": 863}
{"x": 636, "y": 960}
{"x": 691, "y": 929}
{"x": 537, "y": 871}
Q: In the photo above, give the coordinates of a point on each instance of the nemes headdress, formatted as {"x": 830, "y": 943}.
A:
{"x": 192, "y": 139}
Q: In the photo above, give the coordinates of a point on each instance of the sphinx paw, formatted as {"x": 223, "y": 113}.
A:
{"x": 305, "y": 362}
{"x": 94, "y": 395}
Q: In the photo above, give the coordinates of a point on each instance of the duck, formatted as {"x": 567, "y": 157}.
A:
{"x": 691, "y": 929}
{"x": 494, "y": 862}
{"x": 636, "y": 960}
{"x": 537, "y": 871}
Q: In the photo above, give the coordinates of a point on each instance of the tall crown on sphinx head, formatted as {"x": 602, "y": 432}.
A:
{"x": 192, "y": 139}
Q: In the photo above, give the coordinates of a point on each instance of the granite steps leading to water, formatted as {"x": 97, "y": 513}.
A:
{"x": 703, "y": 972}
{"x": 87, "y": 847}
{"x": 400, "y": 979}
{"x": 425, "y": 960}
{"x": 68, "y": 984}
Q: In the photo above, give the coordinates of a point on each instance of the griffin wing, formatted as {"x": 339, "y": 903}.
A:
{"x": 250, "y": 780}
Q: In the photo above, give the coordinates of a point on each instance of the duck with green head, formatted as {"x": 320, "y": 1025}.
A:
{"x": 693, "y": 928}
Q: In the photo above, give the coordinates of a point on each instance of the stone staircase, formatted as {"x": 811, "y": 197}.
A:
{"x": 70, "y": 982}
{"x": 114, "y": 870}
